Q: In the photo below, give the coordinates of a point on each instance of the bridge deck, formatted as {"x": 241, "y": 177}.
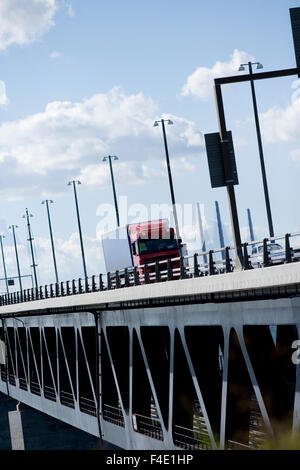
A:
{"x": 118, "y": 362}
{"x": 268, "y": 277}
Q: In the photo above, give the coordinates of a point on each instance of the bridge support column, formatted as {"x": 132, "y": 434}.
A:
{"x": 16, "y": 429}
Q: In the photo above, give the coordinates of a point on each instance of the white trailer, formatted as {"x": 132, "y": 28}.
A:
{"x": 117, "y": 249}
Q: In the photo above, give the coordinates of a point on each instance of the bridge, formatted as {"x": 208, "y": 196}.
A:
{"x": 197, "y": 356}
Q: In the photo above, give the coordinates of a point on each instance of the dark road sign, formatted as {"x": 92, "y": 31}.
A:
{"x": 215, "y": 159}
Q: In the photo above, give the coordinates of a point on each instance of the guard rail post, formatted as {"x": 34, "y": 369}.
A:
{"x": 196, "y": 267}
{"x": 246, "y": 264}
{"x": 118, "y": 282}
{"x": 182, "y": 268}
{"x": 101, "y": 285}
{"x": 228, "y": 266}
{"x": 157, "y": 272}
{"x": 126, "y": 277}
{"x": 146, "y": 274}
{"x": 211, "y": 267}
{"x": 68, "y": 291}
{"x": 108, "y": 281}
{"x": 266, "y": 258}
{"x": 137, "y": 281}
{"x": 93, "y": 283}
{"x": 169, "y": 269}
{"x": 288, "y": 254}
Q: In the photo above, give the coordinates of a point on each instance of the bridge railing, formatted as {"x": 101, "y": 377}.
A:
{"x": 256, "y": 254}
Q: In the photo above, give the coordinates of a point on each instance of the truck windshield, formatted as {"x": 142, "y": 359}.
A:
{"x": 155, "y": 246}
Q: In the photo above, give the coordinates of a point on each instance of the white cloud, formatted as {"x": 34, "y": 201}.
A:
{"x": 25, "y": 21}
{"x": 70, "y": 10}
{"x": 184, "y": 131}
{"x": 200, "y": 83}
{"x": 68, "y": 138}
{"x": 135, "y": 172}
{"x": 282, "y": 124}
{"x": 3, "y": 97}
{"x": 54, "y": 55}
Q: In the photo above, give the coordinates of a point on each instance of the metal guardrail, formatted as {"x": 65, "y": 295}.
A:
{"x": 87, "y": 406}
{"x": 190, "y": 438}
{"x": 149, "y": 426}
{"x": 113, "y": 415}
{"x": 22, "y": 384}
{"x": 219, "y": 261}
{"x": 49, "y": 393}
{"x": 67, "y": 399}
{"x": 234, "y": 445}
{"x": 35, "y": 388}
{"x": 12, "y": 379}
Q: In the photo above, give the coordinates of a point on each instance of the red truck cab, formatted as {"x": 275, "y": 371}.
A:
{"x": 153, "y": 241}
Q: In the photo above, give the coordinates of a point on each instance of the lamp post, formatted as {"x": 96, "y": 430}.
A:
{"x": 109, "y": 158}
{"x": 47, "y": 202}
{"x": 73, "y": 183}
{"x": 260, "y": 147}
{"x": 3, "y": 260}
{"x": 13, "y": 227}
{"x": 30, "y": 239}
{"x": 156, "y": 123}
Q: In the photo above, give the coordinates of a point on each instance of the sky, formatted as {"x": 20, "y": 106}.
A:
{"x": 80, "y": 80}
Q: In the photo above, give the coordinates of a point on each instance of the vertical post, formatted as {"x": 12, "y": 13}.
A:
{"x": 17, "y": 257}
{"x": 288, "y": 255}
{"x": 30, "y": 239}
{"x": 203, "y": 247}
{"x": 229, "y": 179}
{"x": 79, "y": 227}
{"x": 261, "y": 156}
{"x": 3, "y": 261}
{"x": 171, "y": 183}
{"x": 220, "y": 229}
{"x": 51, "y": 238}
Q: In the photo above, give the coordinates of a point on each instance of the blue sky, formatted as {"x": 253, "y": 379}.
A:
{"x": 84, "y": 79}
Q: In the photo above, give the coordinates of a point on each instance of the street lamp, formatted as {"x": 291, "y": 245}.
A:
{"x": 73, "y": 183}
{"x": 30, "y": 239}
{"x": 47, "y": 201}
{"x": 13, "y": 227}
{"x": 109, "y": 157}
{"x": 156, "y": 123}
{"x": 3, "y": 260}
{"x": 260, "y": 147}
